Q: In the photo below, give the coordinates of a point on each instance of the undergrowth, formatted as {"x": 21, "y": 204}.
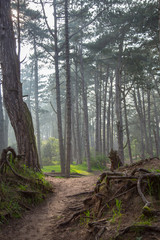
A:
{"x": 18, "y": 194}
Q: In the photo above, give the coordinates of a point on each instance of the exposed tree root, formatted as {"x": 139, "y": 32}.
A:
{"x": 133, "y": 228}
{"x": 63, "y": 224}
{"x": 79, "y": 194}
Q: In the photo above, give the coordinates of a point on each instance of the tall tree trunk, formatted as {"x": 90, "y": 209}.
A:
{"x": 157, "y": 137}
{"x": 2, "y": 144}
{"x": 17, "y": 110}
{"x": 68, "y": 95}
{"x": 127, "y": 128}
{"x": 150, "y": 145}
{"x": 79, "y": 153}
{"x": 58, "y": 95}
{"x": 139, "y": 111}
{"x": 104, "y": 112}
{"x": 6, "y": 123}
{"x": 109, "y": 116}
{"x": 85, "y": 111}
{"x": 144, "y": 121}
{"x": 37, "y": 101}
{"x": 98, "y": 110}
{"x": 118, "y": 104}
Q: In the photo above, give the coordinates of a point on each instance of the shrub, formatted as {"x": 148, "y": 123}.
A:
{"x": 99, "y": 161}
{"x": 50, "y": 151}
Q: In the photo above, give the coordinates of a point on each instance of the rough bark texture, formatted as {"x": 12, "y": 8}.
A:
{"x": 17, "y": 110}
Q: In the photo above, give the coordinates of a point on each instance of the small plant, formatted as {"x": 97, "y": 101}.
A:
{"x": 150, "y": 187}
{"x": 144, "y": 220}
{"x": 117, "y": 211}
{"x": 86, "y": 219}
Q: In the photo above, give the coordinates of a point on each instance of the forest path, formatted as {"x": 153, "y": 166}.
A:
{"x": 41, "y": 222}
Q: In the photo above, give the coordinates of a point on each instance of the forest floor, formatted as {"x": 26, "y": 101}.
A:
{"x": 115, "y": 209}
{"x": 41, "y": 223}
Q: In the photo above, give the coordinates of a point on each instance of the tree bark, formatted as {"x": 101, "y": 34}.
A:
{"x": 17, "y": 110}
{"x": 58, "y": 95}
{"x": 36, "y": 79}
{"x": 118, "y": 104}
{"x": 85, "y": 111}
{"x": 127, "y": 128}
{"x": 139, "y": 111}
{"x": 68, "y": 95}
{"x": 1, "y": 123}
{"x": 109, "y": 117}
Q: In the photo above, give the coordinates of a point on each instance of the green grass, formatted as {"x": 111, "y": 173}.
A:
{"x": 81, "y": 169}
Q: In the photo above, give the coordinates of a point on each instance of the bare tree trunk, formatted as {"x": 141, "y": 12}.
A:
{"x": 37, "y": 101}
{"x": 157, "y": 137}
{"x": 68, "y": 94}
{"x": 6, "y": 123}
{"x": 112, "y": 122}
{"x": 109, "y": 116}
{"x": 127, "y": 128}
{"x": 104, "y": 112}
{"x": 58, "y": 95}
{"x": 85, "y": 110}
{"x": 144, "y": 120}
{"x": 17, "y": 110}
{"x": 98, "y": 110}
{"x": 150, "y": 145}
{"x": 79, "y": 153}
{"x": 139, "y": 111}
{"x": 118, "y": 105}
{"x": 2, "y": 144}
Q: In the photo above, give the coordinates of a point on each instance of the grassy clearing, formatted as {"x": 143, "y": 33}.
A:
{"x": 81, "y": 169}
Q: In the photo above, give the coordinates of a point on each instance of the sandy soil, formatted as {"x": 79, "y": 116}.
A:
{"x": 41, "y": 223}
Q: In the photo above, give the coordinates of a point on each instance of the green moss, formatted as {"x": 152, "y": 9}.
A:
{"x": 20, "y": 193}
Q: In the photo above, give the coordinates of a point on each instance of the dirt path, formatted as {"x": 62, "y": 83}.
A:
{"x": 41, "y": 223}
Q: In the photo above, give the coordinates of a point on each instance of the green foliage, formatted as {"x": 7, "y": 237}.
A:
{"x": 99, "y": 161}
{"x": 86, "y": 219}
{"x": 19, "y": 193}
{"x": 144, "y": 220}
{"x": 50, "y": 151}
{"x": 117, "y": 211}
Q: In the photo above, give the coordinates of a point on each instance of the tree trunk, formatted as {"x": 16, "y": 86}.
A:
{"x": 109, "y": 117}
{"x": 98, "y": 111}
{"x": 127, "y": 128}
{"x": 17, "y": 110}
{"x": 68, "y": 95}
{"x": 58, "y": 95}
{"x": 6, "y": 123}
{"x": 37, "y": 101}
{"x": 1, "y": 123}
{"x": 85, "y": 111}
{"x": 79, "y": 152}
{"x": 157, "y": 137}
{"x": 139, "y": 111}
{"x": 118, "y": 105}
{"x": 149, "y": 124}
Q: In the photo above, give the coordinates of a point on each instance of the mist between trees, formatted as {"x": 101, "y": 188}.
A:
{"x": 90, "y": 78}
